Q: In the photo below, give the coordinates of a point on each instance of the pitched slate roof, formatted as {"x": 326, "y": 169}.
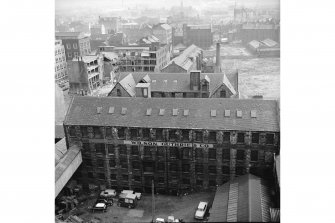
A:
{"x": 69, "y": 34}
{"x": 66, "y": 161}
{"x": 244, "y": 199}
{"x": 129, "y": 85}
{"x": 60, "y": 150}
{"x": 83, "y": 111}
{"x": 183, "y": 60}
{"x": 180, "y": 82}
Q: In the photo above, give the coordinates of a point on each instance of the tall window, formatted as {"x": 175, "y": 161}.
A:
{"x": 270, "y": 139}
{"x": 226, "y": 154}
{"x": 68, "y": 46}
{"x": 239, "y": 170}
{"x": 174, "y": 152}
{"x": 100, "y": 163}
{"x": 255, "y": 137}
{"x": 198, "y": 136}
{"x": 240, "y": 155}
{"x": 146, "y": 133}
{"x": 112, "y": 163}
{"x": 72, "y": 131}
{"x": 240, "y": 137}
{"x": 186, "y": 153}
{"x": 212, "y": 154}
{"x": 118, "y": 93}
{"x": 134, "y": 150}
{"x": 100, "y": 148}
{"x": 254, "y": 155}
{"x": 223, "y": 94}
{"x": 121, "y": 133}
{"x": 212, "y": 136}
{"x": 147, "y": 151}
{"x": 111, "y": 149}
{"x": 172, "y": 135}
{"x": 133, "y": 133}
{"x": 97, "y": 132}
{"x": 69, "y": 54}
{"x": 123, "y": 150}
{"x": 199, "y": 168}
{"x": 136, "y": 165}
{"x": 159, "y": 134}
{"x": 108, "y": 132}
{"x": 75, "y": 46}
{"x": 185, "y": 134}
{"x": 226, "y": 136}
{"x": 198, "y": 153}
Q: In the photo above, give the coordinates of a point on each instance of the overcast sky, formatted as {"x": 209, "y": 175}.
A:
{"x": 118, "y": 4}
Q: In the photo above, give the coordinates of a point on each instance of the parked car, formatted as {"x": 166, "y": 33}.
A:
{"x": 138, "y": 195}
{"x": 107, "y": 201}
{"x": 99, "y": 207}
{"x": 127, "y": 200}
{"x": 108, "y": 193}
{"x": 201, "y": 210}
{"x": 160, "y": 220}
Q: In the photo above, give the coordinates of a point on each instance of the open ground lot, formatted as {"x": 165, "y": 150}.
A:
{"x": 257, "y": 76}
{"x": 179, "y": 207}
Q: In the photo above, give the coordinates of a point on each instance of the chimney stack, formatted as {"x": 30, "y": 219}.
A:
{"x": 218, "y": 59}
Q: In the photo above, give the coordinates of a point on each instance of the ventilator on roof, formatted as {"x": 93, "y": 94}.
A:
{"x": 253, "y": 114}
{"x": 99, "y": 110}
{"x": 153, "y": 81}
{"x": 161, "y": 111}
{"x": 124, "y": 111}
{"x": 149, "y": 111}
{"x": 165, "y": 81}
{"x": 213, "y": 113}
{"x": 239, "y": 113}
{"x": 111, "y": 110}
{"x": 227, "y": 113}
{"x": 175, "y": 111}
{"x": 186, "y": 111}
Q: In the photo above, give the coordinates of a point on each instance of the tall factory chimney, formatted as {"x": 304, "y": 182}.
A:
{"x": 218, "y": 59}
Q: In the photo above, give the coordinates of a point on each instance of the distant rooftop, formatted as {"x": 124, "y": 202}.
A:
{"x": 64, "y": 35}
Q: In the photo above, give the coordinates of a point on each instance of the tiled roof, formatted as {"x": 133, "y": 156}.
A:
{"x": 83, "y": 111}
{"x": 183, "y": 60}
{"x": 255, "y": 44}
{"x": 180, "y": 82}
{"x": 66, "y": 161}
{"x": 60, "y": 150}
{"x": 69, "y": 34}
{"x": 269, "y": 42}
{"x": 202, "y": 26}
{"x": 244, "y": 199}
{"x": 128, "y": 84}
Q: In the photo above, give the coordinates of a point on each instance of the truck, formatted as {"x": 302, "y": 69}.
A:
{"x": 127, "y": 200}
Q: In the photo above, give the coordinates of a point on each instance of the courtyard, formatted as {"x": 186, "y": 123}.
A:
{"x": 182, "y": 207}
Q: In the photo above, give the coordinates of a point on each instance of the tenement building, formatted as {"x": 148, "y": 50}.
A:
{"x": 60, "y": 63}
{"x": 181, "y": 144}
{"x": 76, "y": 44}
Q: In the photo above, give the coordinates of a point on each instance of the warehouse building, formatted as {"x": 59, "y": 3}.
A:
{"x": 128, "y": 142}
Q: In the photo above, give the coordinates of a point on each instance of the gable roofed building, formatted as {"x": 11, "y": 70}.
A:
{"x": 243, "y": 199}
{"x": 193, "y": 85}
{"x": 189, "y": 59}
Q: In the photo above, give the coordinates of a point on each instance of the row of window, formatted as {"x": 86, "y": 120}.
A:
{"x": 75, "y": 46}
{"x": 59, "y": 51}
{"x": 61, "y": 74}
{"x": 60, "y": 59}
{"x": 174, "y": 152}
{"x": 134, "y": 134}
{"x": 239, "y": 170}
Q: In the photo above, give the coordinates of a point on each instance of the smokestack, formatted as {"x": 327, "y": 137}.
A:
{"x": 218, "y": 59}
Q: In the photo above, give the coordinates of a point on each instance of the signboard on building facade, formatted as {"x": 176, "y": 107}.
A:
{"x": 171, "y": 144}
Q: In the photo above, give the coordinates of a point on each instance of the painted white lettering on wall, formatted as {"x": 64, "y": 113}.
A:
{"x": 170, "y": 144}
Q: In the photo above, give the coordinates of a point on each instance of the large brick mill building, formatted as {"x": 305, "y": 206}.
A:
{"x": 181, "y": 143}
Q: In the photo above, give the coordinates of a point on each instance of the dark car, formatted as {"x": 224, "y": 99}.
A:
{"x": 127, "y": 200}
